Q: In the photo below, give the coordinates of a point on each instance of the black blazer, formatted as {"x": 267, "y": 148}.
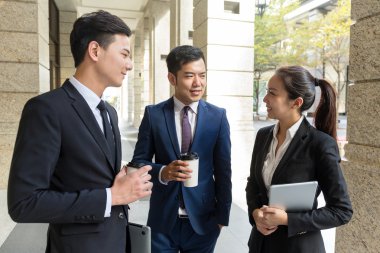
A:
{"x": 61, "y": 166}
{"x": 311, "y": 155}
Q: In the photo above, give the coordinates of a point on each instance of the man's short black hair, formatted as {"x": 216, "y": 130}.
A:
{"x": 100, "y": 26}
{"x": 181, "y": 55}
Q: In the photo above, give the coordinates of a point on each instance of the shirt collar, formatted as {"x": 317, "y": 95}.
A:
{"x": 91, "y": 98}
{"x": 178, "y": 105}
{"x": 291, "y": 131}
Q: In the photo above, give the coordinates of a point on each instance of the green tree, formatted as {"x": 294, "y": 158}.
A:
{"x": 335, "y": 42}
{"x": 308, "y": 41}
{"x": 270, "y": 30}
{"x": 328, "y": 43}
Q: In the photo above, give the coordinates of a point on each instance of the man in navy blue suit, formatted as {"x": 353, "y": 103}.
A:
{"x": 186, "y": 219}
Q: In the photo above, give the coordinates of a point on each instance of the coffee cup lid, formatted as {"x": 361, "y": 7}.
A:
{"x": 189, "y": 156}
{"x": 135, "y": 165}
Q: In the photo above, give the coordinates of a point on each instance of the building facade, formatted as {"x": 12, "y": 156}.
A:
{"x": 35, "y": 55}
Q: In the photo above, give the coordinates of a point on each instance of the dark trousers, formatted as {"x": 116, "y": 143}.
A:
{"x": 184, "y": 239}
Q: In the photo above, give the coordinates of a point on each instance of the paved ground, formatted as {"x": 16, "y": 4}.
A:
{"x": 31, "y": 238}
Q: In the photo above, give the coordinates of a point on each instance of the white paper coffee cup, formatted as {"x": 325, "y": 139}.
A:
{"x": 193, "y": 160}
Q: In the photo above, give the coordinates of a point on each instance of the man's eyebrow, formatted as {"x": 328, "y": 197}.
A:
{"x": 124, "y": 49}
{"x": 189, "y": 72}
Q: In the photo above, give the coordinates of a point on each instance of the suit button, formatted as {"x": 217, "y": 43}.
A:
{"x": 121, "y": 216}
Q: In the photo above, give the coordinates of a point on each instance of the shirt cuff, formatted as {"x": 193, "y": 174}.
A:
{"x": 159, "y": 176}
{"x": 107, "y": 212}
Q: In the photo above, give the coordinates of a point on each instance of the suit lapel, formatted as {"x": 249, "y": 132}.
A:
{"x": 170, "y": 125}
{"x": 295, "y": 144}
{"x": 261, "y": 158}
{"x": 201, "y": 121}
{"x": 81, "y": 107}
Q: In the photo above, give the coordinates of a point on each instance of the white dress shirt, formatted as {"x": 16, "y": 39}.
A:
{"x": 273, "y": 159}
{"x": 178, "y": 114}
{"x": 93, "y": 100}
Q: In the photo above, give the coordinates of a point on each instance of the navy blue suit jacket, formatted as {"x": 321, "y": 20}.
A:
{"x": 60, "y": 169}
{"x": 311, "y": 156}
{"x": 207, "y": 204}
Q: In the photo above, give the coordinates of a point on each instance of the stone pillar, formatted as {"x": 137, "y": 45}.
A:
{"x": 226, "y": 34}
{"x": 181, "y": 25}
{"x": 125, "y": 91}
{"x": 362, "y": 170}
{"x": 141, "y": 88}
{"x": 158, "y": 12}
{"x": 24, "y": 64}
{"x": 147, "y": 94}
{"x": 224, "y": 30}
{"x": 135, "y": 97}
{"x": 66, "y": 21}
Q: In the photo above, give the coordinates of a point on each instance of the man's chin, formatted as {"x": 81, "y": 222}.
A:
{"x": 116, "y": 85}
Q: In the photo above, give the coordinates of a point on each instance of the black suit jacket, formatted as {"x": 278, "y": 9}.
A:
{"x": 311, "y": 155}
{"x": 61, "y": 166}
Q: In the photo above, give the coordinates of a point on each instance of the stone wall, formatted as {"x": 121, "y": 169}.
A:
{"x": 24, "y": 64}
{"x": 66, "y": 21}
{"x": 362, "y": 170}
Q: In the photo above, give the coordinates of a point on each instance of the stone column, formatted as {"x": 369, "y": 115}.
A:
{"x": 224, "y": 30}
{"x": 66, "y": 21}
{"x": 135, "y": 97}
{"x": 158, "y": 12}
{"x": 181, "y": 25}
{"x": 362, "y": 170}
{"x": 147, "y": 95}
{"x": 225, "y": 33}
{"x": 24, "y": 64}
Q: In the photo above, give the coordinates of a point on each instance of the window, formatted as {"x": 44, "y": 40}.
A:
{"x": 232, "y": 7}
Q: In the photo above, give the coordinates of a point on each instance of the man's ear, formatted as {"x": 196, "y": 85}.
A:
{"x": 93, "y": 50}
{"x": 172, "y": 79}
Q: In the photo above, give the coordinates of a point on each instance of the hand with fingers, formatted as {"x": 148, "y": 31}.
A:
{"x": 268, "y": 219}
{"x": 128, "y": 188}
{"x": 176, "y": 171}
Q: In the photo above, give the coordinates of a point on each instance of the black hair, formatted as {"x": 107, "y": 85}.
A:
{"x": 299, "y": 82}
{"x": 181, "y": 55}
{"x": 100, "y": 26}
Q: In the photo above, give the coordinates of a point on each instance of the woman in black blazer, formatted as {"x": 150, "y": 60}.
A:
{"x": 293, "y": 151}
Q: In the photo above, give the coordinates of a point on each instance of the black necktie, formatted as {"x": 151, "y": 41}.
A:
{"x": 108, "y": 131}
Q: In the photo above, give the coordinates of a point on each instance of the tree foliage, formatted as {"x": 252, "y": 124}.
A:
{"x": 270, "y": 30}
{"x": 313, "y": 41}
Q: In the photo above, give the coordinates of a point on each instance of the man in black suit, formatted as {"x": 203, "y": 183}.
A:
{"x": 66, "y": 163}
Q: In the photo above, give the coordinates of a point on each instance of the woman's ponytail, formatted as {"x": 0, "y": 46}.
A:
{"x": 325, "y": 115}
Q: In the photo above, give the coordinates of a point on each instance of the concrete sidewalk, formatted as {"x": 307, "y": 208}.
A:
{"x": 31, "y": 238}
